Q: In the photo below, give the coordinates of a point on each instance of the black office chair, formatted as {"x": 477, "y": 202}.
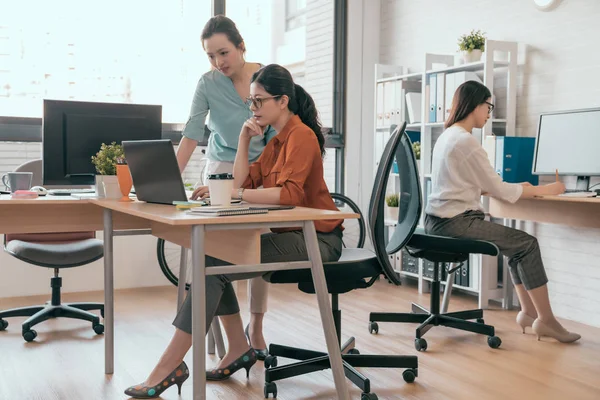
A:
{"x": 357, "y": 269}
{"x": 436, "y": 249}
{"x": 55, "y": 251}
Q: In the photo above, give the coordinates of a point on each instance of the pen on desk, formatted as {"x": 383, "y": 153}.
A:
{"x": 556, "y": 175}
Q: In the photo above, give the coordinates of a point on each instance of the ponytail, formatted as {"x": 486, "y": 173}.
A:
{"x": 278, "y": 81}
{"x": 307, "y": 111}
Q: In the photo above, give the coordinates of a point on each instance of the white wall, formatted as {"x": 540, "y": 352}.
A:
{"x": 559, "y": 65}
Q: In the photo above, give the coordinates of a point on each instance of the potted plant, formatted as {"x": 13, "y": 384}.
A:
{"x": 105, "y": 162}
{"x": 472, "y": 45}
{"x": 392, "y": 201}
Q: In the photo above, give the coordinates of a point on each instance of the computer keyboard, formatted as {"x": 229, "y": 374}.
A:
{"x": 69, "y": 192}
{"x": 578, "y": 194}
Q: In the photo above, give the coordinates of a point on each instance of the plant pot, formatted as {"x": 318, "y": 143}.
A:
{"x": 391, "y": 213}
{"x": 472, "y": 56}
{"x": 111, "y": 187}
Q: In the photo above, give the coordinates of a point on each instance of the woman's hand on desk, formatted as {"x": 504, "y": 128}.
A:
{"x": 551, "y": 189}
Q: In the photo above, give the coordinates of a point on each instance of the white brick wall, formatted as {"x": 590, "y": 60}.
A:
{"x": 558, "y": 65}
{"x": 318, "y": 80}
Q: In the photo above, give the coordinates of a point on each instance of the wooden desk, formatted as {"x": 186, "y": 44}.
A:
{"x": 235, "y": 239}
{"x": 562, "y": 210}
{"x": 572, "y": 211}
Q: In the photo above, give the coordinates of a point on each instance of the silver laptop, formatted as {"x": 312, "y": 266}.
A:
{"x": 155, "y": 171}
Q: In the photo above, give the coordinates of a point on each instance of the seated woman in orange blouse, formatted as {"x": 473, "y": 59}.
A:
{"x": 290, "y": 170}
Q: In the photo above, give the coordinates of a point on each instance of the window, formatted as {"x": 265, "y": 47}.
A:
{"x": 295, "y": 14}
{"x": 132, "y": 51}
{"x": 306, "y": 51}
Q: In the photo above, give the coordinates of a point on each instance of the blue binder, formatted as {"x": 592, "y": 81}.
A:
{"x": 514, "y": 159}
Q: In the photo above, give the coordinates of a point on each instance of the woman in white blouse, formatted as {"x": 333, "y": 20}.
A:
{"x": 461, "y": 173}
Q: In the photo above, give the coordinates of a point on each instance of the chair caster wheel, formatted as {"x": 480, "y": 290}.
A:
{"x": 409, "y": 375}
{"x": 270, "y": 361}
{"x": 368, "y": 396}
{"x": 29, "y": 335}
{"x": 353, "y": 351}
{"x": 3, "y": 324}
{"x": 270, "y": 388}
{"x": 373, "y": 327}
{"x": 480, "y": 321}
{"x": 494, "y": 342}
{"x": 420, "y": 344}
{"x": 99, "y": 329}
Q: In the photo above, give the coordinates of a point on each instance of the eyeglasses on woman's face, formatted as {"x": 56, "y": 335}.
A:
{"x": 490, "y": 107}
{"x": 257, "y": 102}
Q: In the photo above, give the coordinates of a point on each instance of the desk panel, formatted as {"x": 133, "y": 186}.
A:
{"x": 583, "y": 212}
{"x": 38, "y": 216}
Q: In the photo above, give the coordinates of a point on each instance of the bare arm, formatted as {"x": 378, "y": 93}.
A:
{"x": 184, "y": 152}
{"x": 260, "y": 196}
{"x": 241, "y": 165}
{"x": 551, "y": 189}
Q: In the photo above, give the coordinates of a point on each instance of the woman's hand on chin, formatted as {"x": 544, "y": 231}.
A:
{"x": 251, "y": 128}
{"x": 200, "y": 193}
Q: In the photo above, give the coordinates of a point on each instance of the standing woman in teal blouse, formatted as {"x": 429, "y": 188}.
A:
{"x": 223, "y": 92}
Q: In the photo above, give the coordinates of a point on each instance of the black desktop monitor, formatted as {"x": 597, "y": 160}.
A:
{"x": 73, "y": 131}
{"x": 569, "y": 142}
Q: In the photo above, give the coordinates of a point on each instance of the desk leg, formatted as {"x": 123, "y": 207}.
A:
{"x": 109, "y": 325}
{"x": 333, "y": 345}
{"x": 182, "y": 277}
{"x": 198, "y": 312}
{"x": 507, "y": 285}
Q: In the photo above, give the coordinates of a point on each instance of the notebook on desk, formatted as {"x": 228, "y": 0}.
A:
{"x": 226, "y": 211}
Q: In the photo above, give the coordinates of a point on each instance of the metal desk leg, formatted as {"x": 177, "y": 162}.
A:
{"x": 198, "y": 312}
{"x": 507, "y": 285}
{"x": 182, "y": 277}
{"x": 333, "y": 346}
{"x": 109, "y": 325}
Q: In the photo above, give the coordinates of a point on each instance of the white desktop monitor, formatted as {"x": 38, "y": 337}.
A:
{"x": 569, "y": 141}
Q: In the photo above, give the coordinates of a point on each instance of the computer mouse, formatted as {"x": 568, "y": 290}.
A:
{"x": 41, "y": 191}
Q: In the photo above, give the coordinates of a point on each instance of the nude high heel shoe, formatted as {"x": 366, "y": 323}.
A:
{"x": 524, "y": 320}
{"x": 541, "y": 329}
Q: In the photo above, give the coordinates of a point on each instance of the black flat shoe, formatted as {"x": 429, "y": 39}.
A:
{"x": 246, "y": 360}
{"x": 177, "y": 377}
{"x": 261, "y": 354}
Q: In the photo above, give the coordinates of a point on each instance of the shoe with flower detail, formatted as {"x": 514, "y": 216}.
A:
{"x": 177, "y": 377}
{"x": 247, "y": 360}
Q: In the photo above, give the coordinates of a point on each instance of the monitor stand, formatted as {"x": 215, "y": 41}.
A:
{"x": 583, "y": 183}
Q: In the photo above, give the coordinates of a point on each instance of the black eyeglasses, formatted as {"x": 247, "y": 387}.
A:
{"x": 490, "y": 107}
{"x": 257, "y": 102}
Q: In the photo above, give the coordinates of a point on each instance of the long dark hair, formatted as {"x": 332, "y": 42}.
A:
{"x": 467, "y": 97}
{"x": 222, "y": 24}
{"x": 277, "y": 81}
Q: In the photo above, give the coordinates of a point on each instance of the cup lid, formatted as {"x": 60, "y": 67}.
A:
{"x": 220, "y": 176}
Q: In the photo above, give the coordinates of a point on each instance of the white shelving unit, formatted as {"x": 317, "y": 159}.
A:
{"x": 498, "y": 71}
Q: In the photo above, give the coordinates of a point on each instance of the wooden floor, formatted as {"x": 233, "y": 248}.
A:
{"x": 67, "y": 359}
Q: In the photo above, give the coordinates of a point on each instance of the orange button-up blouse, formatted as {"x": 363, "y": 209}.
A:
{"x": 292, "y": 160}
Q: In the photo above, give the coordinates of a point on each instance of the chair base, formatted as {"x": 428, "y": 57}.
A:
{"x": 311, "y": 361}
{"x": 39, "y": 314}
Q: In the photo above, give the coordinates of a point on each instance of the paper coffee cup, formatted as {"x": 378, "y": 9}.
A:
{"x": 219, "y": 188}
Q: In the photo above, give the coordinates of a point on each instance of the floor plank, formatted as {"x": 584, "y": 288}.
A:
{"x": 66, "y": 360}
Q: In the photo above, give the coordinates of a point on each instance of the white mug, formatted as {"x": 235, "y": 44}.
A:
{"x": 17, "y": 181}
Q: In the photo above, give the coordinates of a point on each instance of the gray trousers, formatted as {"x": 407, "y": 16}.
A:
{"x": 522, "y": 249}
{"x": 275, "y": 247}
